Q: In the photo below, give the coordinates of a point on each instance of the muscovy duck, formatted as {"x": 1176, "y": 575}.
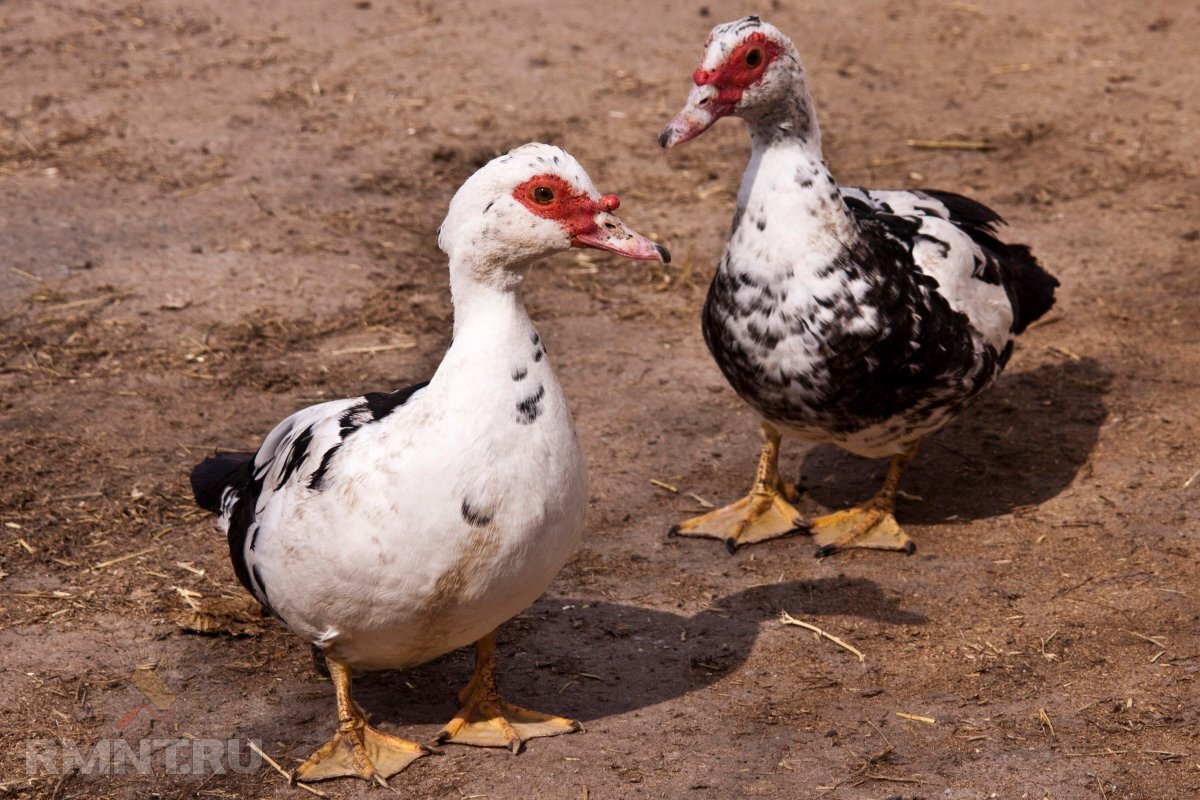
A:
{"x": 391, "y": 528}
{"x": 865, "y": 318}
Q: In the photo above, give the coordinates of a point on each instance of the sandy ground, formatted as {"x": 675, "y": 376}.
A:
{"x": 214, "y": 213}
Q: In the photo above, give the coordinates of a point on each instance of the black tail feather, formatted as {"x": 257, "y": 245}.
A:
{"x": 1030, "y": 287}
{"x": 212, "y": 475}
{"x": 965, "y": 211}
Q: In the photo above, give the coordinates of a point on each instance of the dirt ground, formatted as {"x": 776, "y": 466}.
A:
{"x": 214, "y": 213}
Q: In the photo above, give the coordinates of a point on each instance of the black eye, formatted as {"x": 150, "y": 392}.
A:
{"x": 543, "y": 195}
{"x": 754, "y": 58}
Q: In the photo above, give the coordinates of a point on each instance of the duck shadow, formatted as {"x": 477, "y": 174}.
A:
{"x": 1023, "y": 443}
{"x": 589, "y": 660}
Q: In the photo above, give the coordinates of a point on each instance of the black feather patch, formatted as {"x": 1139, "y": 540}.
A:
{"x": 965, "y": 212}
{"x": 476, "y": 519}
{"x": 972, "y": 217}
{"x": 243, "y": 518}
{"x": 530, "y": 408}
{"x": 296, "y": 456}
{"x": 374, "y": 407}
{"x": 235, "y": 472}
{"x": 943, "y": 248}
{"x": 1029, "y": 286}
{"x": 261, "y": 594}
{"x": 380, "y": 404}
{"x": 858, "y": 207}
{"x": 317, "y": 481}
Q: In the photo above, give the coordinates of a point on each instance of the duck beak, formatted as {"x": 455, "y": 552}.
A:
{"x": 699, "y": 113}
{"x": 609, "y": 233}
{"x": 615, "y": 236}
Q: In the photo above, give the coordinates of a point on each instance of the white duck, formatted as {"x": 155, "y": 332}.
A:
{"x": 865, "y": 318}
{"x": 389, "y": 529}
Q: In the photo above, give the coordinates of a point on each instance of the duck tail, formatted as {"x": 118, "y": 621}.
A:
{"x": 1029, "y": 285}
{"x": 214, "y": 474}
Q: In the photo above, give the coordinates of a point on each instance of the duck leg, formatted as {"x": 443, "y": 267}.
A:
{"x": 488, "y": 720}
{"x": 870, "y": 525}
{"x": 765, "y": 513}
{"x": 357, "y": 750}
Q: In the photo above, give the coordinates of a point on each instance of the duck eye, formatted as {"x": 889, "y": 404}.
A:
{"x": 543, "y": 195}
{"x": 754, "y": 58}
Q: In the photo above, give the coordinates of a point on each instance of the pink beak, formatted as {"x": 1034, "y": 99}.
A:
{"x": 615, "y": 236}
{"x": 699, "y": 113}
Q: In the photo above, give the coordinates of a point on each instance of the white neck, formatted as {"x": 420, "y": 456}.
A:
{"x": 790, "y": 218}
{"x": 484, "y": 294}
{"x": 787, "y": 186}
{"x": 787, "y": 171}
{"x": 497, "y": 361}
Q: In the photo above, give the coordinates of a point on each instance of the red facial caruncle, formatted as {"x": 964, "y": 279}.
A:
{"x": 551, "y": 197}
{"x": 743, "y": 68}
{"x": 589, "y": 222}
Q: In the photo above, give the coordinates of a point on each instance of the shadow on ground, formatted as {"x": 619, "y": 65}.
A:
{"x": 1021, "y": 445}
{"x": 591, "y": 660}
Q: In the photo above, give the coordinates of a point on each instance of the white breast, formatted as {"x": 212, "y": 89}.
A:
{"x": 442, "y": 520}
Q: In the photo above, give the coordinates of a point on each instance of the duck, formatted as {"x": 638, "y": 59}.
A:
{"x": 864, "y": 318}
{"x": 394, "y": 527}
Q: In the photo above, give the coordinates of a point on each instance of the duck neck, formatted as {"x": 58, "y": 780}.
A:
{"x": 789, "y": 208}
{"x": 791, "y": 122}
{"x": 488, "y": 301}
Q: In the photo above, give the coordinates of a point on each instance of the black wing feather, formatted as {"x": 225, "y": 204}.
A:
{"x": 1030, "y": 287}
{"x": 235, "y": 471}
{"x": 383, "y": 403}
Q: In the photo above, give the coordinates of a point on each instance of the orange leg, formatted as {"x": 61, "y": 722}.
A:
{"x": 765, "y": 513}
{"x": 357, "y": 750}
{"x": 488, "y": 720}
{"x": 870, "y": 525}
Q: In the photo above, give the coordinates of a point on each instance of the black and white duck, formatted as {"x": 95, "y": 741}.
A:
{"x": 391, "y": 528}
{"x": 865, "y": 318}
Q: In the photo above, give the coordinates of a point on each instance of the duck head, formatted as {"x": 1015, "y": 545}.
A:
{"x": 749, "y": 69}
{"x": 532, "y": 202}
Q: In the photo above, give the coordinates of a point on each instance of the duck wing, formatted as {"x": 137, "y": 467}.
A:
{"x": 298, "y": 457}
{"x": 925, "y": 221}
